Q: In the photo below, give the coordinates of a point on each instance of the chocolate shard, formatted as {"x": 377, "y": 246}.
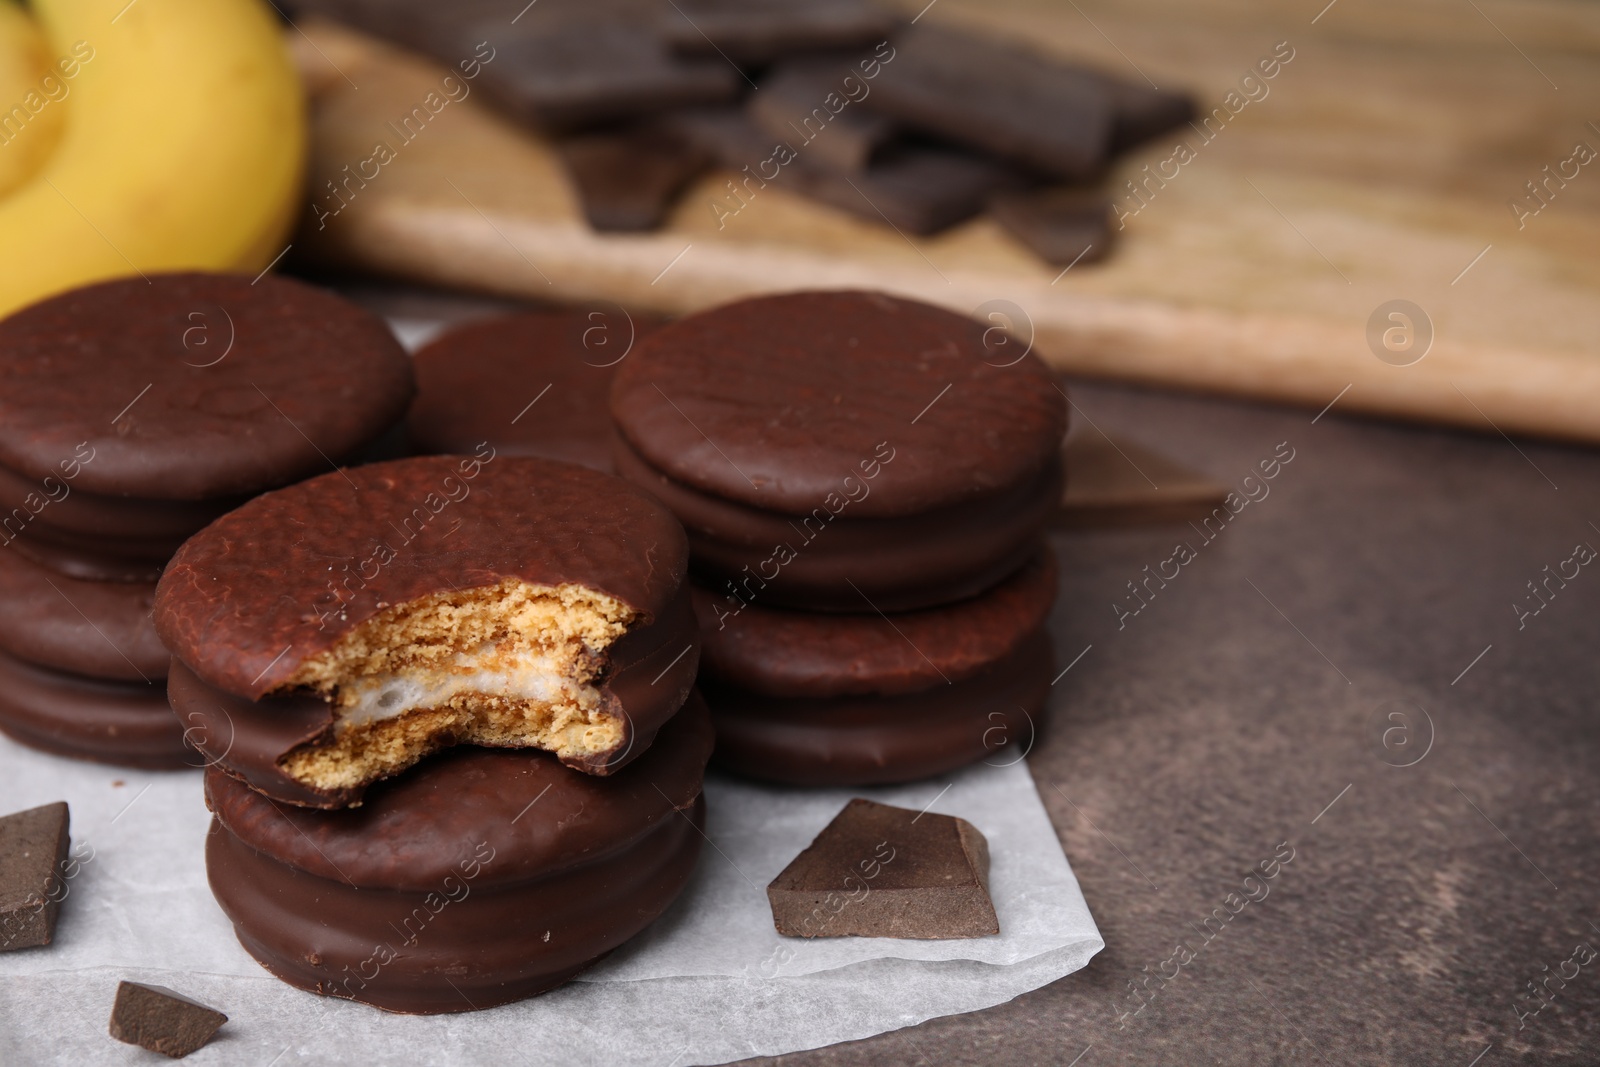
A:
{"x": 759, "y": 31}
{"x": 916, "y": 188}
{"x": 1062, "y": 226}
{"x": 628, "y": 179}
{"x": 998, "y": 97}
{"x": 815, "y": 102}
{"x": 33, "y": 845}
{"x": 1141, "y": 112}
{"x": 162, "y": 1020}
{"x": 882, "y": 871}
{"x": 1113, "y": 481}
{"x": 570, "y": 73}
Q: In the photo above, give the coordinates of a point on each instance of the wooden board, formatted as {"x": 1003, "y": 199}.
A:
{"x": 1379, "y": 165}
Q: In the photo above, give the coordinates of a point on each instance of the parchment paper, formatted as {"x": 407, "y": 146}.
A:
{"x": 711, "y": 982}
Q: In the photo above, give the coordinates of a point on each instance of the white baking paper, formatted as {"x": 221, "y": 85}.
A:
{"x": 711, "y": 982}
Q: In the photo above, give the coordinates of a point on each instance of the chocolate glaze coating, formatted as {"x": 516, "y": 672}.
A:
{"x": 778, "y": 401}
{"x": 98, "y": 520}
{"x": 190, "y": 386}
{"x": 283, "y": 578}
{"x": 125, "y": 723}
{"x": 651, "y": 673}
{"x": 455, "y": 947}
{"x": 88, "y": 565}
{"x": 896, "y": 564}
{"x": 413, "y": 830}
{"x": 874, "y": 740}
{"x": 804, "y": 654}
{"x": 475, "y": 384}
{"x": 99, "y": 629}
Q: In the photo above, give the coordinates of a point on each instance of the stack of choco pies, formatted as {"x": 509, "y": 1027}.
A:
{"x": 865, "y": 483}
{"x": 454, "y": 753}
{"x": 132, "y": 413}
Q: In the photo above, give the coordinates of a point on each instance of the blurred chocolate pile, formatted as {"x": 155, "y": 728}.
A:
{"x": 918, "y": 126}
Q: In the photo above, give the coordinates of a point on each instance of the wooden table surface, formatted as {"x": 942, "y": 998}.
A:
{"x": 1379, "y": 163}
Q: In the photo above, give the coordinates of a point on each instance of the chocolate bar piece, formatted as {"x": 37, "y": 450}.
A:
{"x": 558, "y": 65}
{"x": 1062, "y": 226}
{"x": 1141, "y": 112}
{"x": 758, "y": 31}
{"x": 33, "y": 845}
{"x": 882, "y": 871}
{"x": 1112, "y": 481}
{"x": 628, "y": 179}
{"x": 999, "y": 98}
{"x": 162, "y": 1020}
{"x": 567, "y": 73}
{"x": 915, "y": 188}
{"x": 816, "y": 103}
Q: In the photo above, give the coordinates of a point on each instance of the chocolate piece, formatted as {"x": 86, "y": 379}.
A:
{"x": 917, "y": 188}
{"x": 753, "y": 32}
{"x": 1114, "y": 481}
{"x": 33, "y": 846}
{"x": 558, "y": 65}
{"x": 162, "y": 1020}
{"x": 870, "y": 439}
{"x": 532, "y": 384}
{"x": 99, "y": 629}
{"x": 1140, "y": 112}
{"x": 565, "y": 72}
{"x": 628, "y": 179}
{"x": 881, "y": 871}
{"x": 814, "y": 104}
{"x": 499, "y": 600}
{"x": 480, "y": 878}
{"x": 186, "y": 387}
{"x": 1062, "y": 226}
{"x": 997, "y": 97}
{"x": 125, "y": 723}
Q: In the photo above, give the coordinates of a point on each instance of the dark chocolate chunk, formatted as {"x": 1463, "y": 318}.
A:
{"x": 998, "y": 97}
{"x": 1141, "y": 112}
{"x": 920, "y": 189}
{"x": 558, "y": 65}
{"x": 628, "y": 179}
{"x": 1112, "y": 481}
{"x": 565, "y": 74}
{"x": 759, "y": 31}
{"x": 814, "y": 103}
{"x": 162, "y": 1020}
{"x": 33, "y": 845}
{"x": 882, "y": 871}
{"x": 1062, "y": 226}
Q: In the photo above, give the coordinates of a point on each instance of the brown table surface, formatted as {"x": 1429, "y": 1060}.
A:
{"x": 1246, "y": 705}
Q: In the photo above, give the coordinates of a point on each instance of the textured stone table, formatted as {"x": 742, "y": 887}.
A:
{"x": 1248, "y": 704}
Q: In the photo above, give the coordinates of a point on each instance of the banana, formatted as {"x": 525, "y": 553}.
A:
{"x": 32, "y": 98}
{"x": 184, "y": 147}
